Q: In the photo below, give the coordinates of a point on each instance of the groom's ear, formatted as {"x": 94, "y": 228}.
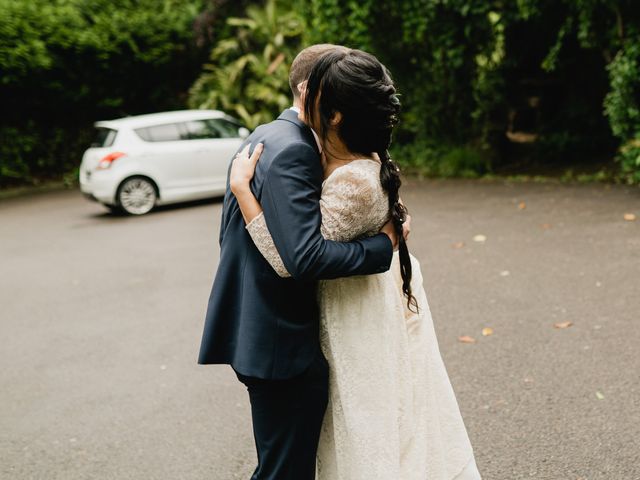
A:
{"x": 336, "y": 118}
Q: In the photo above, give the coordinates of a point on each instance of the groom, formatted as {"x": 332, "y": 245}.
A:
{"x": 267, "y": 327}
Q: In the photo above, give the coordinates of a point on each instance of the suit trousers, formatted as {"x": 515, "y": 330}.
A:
{"x": 287, "y": 416}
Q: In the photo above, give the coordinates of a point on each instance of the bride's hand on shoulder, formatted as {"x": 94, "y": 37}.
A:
{"x": 243, "y": 168}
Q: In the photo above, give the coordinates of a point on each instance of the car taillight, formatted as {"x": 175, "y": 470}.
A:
{"x": 106, "y": 161}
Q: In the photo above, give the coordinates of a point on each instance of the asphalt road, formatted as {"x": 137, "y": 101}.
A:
{"x": 101, "y": 317}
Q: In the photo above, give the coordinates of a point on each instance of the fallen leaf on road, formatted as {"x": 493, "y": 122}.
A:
{"x": 545, "y": 226}
{"x": 466, "y": 339}
{"x": 486, "y": 331}
{"x": 599, "y": 395}
{"x": 629, "y": 217}
{"x": 479, "y": 238}
{"x": 522, "y": 206}
{"x": 457, "y": 245}
{"x": 562, "y": 324}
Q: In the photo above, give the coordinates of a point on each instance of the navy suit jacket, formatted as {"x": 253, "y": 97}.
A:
{"x": 263, "y": 325}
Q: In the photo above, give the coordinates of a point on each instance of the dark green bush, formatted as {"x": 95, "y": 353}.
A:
{"x": 248, "y": 70}
{"x": 562, "y": 77}
{"x": 68, "y": 63}
{"x": 441, "y": 161}
{"x": 471, "y": 71}
{"x": 623, "y": 108}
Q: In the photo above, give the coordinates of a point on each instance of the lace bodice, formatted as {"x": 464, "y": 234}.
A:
{"x": 353, "y": 205}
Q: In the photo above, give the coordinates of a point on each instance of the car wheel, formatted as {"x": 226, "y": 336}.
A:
{"x": 137, "y": 196}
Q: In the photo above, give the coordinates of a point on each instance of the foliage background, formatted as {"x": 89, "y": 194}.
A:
{"x": 487, "y": 86}
{"x": 497, "y": 85}
{"x": 67, "y": 63}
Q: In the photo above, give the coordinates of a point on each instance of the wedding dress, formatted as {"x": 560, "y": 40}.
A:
{"x": 392, "y": 412}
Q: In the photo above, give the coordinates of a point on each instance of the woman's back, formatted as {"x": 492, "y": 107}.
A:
{"x": 392, "y": 412}
{"x": 353, "y": 202}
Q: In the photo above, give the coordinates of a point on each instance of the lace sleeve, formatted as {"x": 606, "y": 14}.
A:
{"x": 261, "y": 237}
{"x": 353, "y": 203}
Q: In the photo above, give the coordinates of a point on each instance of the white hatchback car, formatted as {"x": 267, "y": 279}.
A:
{"x": 146, "y": 160}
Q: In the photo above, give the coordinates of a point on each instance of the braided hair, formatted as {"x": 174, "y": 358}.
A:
{"x": 358, "y": 86}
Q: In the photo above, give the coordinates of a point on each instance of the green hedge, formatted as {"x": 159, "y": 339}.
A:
{"x": 472, "y": 70}
{"x": 482, "y": 82}
{"x": 68, "y": 63}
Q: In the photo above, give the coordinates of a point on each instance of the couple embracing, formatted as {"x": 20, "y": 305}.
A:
{"x": 317, "y": 303}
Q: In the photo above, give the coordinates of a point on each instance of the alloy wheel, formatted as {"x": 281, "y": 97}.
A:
{"x": 137, "y": 196}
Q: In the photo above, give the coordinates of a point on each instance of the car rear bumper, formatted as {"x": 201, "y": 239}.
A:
{"x": 89, "y": 196}
{"x": 98, "y": 189}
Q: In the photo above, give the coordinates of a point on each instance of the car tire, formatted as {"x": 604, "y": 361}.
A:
{"x": 114, "y": 209}
{"x": 137, "y": 195}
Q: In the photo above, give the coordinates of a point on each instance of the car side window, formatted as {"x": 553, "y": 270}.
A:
{"x": 160, "y": 133}
{"x": 209, "y": 128}
{"x": 200, "y": 129}
{"x": 226, "y": 128}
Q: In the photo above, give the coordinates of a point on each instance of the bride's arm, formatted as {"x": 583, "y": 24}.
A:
{"x": 344, "y": 204}
{"x": 242, "y": 172}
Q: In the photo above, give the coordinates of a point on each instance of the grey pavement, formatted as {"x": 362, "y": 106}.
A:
{"x": 101, "y": 317}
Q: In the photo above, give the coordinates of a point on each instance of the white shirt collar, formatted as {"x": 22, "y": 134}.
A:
{"x": 315, "y": 135}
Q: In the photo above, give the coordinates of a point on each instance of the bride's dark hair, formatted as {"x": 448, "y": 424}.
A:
{"x": 358, "y": 86}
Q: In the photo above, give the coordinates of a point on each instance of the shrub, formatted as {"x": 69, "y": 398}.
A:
{"x": 249, "y": 68}
{"x": 68, "y": 63}
{"x": 622, "y": 106}
{"x": 441, "y": 161}
{"x": 470, "y": 71}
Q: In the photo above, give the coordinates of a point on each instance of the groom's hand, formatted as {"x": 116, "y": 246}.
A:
{"x": 406, "y": 227}
{"x": 390, "y": 231}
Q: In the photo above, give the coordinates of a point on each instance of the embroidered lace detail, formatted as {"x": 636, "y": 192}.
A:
{"x": 353, "y": 202}
{"x": 260, "y": 235}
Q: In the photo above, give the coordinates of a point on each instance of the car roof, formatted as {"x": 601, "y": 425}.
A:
{"x": 160, "y": 118}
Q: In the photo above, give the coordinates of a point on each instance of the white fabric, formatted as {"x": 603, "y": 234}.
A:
{"x": 392, "y": 412}
{"x": 315, "y": 135}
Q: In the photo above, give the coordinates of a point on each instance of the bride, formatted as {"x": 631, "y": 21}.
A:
{"x": 392, "y": 412}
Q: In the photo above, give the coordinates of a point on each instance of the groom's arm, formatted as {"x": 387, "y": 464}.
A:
{"x": 291, "y": 203}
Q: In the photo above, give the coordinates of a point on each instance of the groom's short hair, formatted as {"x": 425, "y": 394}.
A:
{"x": 304, "y": 62}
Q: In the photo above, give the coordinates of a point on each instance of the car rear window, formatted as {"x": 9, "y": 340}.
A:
{"x": 104, "y": 137}
{"x": 160, "y": 133}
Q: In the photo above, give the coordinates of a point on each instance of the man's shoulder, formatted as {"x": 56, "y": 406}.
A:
{"x": 281, "y": 134}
